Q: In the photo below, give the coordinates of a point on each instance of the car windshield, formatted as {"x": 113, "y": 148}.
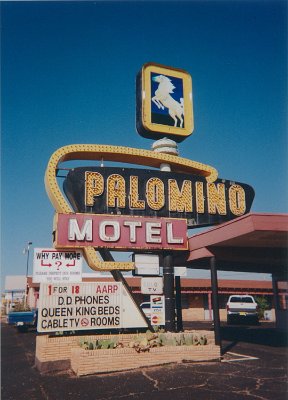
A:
{"x": 241, "y": 299}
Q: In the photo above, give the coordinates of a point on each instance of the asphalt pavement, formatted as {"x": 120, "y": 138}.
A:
{"x": 254, "y": 366}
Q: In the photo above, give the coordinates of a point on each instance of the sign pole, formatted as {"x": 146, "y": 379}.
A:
{"x": 178, "y": 304}
{"x": 168, "y": 146}
{"x": 168, "y": 273}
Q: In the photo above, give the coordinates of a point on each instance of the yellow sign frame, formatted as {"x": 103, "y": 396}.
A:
{"x": 117, "y": 154}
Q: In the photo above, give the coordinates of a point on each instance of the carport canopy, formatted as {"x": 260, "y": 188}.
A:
{"x": 252, "y": 243}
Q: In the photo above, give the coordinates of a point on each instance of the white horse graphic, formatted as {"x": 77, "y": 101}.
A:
{"x": 162, "y": 99}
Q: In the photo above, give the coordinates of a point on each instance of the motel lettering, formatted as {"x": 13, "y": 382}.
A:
{"x": 120, "y": 232}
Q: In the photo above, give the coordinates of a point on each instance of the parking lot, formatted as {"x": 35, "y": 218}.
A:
{"x": 254, "y": 366}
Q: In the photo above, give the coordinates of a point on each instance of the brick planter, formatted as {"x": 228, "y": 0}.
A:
{"x": 62, "y": 353}
{"x": 85, "y": 362}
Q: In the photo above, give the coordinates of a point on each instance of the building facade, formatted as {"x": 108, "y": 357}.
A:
{"x": 196, "y": 294}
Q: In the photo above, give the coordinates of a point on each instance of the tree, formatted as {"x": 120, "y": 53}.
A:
{"x": 262, "y": 305}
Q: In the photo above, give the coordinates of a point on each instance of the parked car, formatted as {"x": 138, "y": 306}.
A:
{"x": 146, "y": 307}
{"x": 23, "y": 320}
{"x": 242, "y": 308}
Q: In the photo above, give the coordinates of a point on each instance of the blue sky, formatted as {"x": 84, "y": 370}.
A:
{"x": 68, "y": 76}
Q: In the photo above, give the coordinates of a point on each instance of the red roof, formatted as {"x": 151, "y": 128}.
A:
{"x": 252, "y": 243}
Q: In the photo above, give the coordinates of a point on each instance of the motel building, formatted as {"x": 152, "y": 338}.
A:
{"x": 196, "y": 294}
{"x": 254, "y": 243}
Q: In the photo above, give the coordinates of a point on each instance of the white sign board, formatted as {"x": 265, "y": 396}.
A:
{"x": 83, "y": 306}
{"x": 157, "y": 310}
{"x": 50, "y": 265}
{"x": 153, "y": 285}
{"x": 146, "y": 264}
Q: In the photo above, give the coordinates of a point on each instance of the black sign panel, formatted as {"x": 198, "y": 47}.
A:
{"x": 152, "y": 193}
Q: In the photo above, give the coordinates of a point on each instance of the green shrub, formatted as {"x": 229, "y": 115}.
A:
{"x": 99, "y": 344}
{"x": 144, "y": 342}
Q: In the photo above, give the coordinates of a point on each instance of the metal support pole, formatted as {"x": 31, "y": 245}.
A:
{"x": 210, "y": 306}
{"x": 178, "y": 304}
{"x": 168, "y": 273}
{"x": 276, "y": 298}
{"x": 215, "y": 303}
{"x": 275, "y": 292}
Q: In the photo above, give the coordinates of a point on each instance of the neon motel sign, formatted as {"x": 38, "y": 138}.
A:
{"x": 128, "y": 191}
{"x": 129, "y": 208}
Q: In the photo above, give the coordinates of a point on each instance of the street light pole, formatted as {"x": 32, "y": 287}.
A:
{"x": 27, "y": 250}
